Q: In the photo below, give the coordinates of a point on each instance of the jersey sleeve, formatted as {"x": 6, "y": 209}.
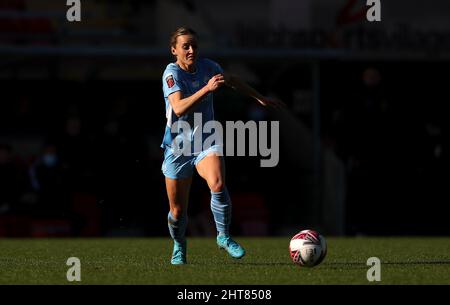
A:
{"x": 171, "y": 82}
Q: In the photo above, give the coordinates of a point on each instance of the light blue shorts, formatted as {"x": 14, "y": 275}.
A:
{"x": 180, "y": 166}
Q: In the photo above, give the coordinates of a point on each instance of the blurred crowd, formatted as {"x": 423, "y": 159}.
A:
{"x": 82, "y": 166}
{"x": 88, "y": 164}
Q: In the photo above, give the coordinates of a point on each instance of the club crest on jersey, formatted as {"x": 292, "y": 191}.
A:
{"x": 170, "y": 82}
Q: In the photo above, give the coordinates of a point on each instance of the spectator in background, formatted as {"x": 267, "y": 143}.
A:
{"x": 47, "y": 179}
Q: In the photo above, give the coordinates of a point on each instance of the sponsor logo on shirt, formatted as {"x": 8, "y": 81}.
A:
{"x": 170, "y": 81}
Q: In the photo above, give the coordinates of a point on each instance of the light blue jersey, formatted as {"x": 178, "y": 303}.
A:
{"x": 176, "y": 79}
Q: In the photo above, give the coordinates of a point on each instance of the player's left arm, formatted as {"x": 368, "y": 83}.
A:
{"x": 237, "y": 84}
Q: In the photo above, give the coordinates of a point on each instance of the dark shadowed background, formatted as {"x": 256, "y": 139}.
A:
{"x": 363, "y": 141}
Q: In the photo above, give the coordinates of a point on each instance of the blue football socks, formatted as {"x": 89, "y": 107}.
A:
{"x": 177, "y": 229}
{"x": 221, "y": 209}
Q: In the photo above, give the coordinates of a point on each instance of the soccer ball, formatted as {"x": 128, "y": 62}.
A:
{"x": 308, "y": 248}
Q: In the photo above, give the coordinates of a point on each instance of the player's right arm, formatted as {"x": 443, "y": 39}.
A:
{"x": 181, "y": 105}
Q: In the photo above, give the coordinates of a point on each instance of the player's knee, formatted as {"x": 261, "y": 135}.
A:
{"x": 216, "y": 185}
{"x": 177, "y": 212}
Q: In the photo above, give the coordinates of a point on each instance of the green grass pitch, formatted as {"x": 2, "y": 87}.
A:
{"x": 421, "y": 260}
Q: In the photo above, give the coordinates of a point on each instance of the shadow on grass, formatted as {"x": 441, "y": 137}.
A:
{"x": 262, "y": 263}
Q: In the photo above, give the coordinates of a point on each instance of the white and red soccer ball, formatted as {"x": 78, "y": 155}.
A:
{"x": 308, "y": 248}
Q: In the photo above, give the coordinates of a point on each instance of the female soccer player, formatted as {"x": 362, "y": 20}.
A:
{"x": 188, "y": 84}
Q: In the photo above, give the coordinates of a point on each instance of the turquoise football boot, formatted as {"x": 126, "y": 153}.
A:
{"x": 179, "y": 253}
{"x": 232, "y": 247}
